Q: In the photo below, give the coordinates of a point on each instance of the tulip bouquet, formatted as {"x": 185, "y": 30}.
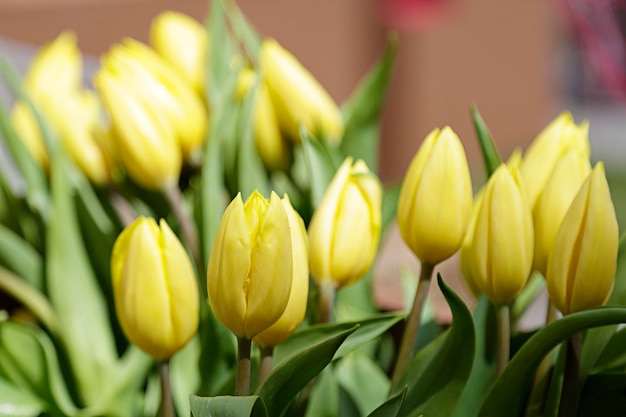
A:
{"x": 195, "y": 236}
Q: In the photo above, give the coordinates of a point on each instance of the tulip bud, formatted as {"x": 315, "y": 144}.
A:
{"x": 464, "y": 258}
{"x": 251, "y": 265}
{"x": 435, "y": 201}
{"x": 554, "y": 140}
{"x": 582, "y": 264}
{"x": 297, "y": 96}
{"x": 25, "y": 124}
{"x": 569, "y": 173}
{"x": 155, "y": 289}
{"x": 500, "y": 255}
{"x": 296, "y": 306}
{"x": 183, "y": 42}
{"x": 345, "y": 229}
{"x": 270, "y": 144}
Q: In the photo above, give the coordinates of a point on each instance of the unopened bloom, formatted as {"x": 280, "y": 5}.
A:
{"x": 155, "y": 288}
{"x": 297, "y": 95}
{"x": 569, "y": 173}
{"x": 464, "y": 255}
{"x": 582, "y": 264}
{"x": 296, "y": 306}
{"x": 270, "y": 143}
{"x": 435, "y": 201}
{"x": 553, "y": 141}
{"x": 183, "y": 42}
{"x": 345, "y": 229}
{"x": 251, "y": 265}
{"x": 500, "y": 256}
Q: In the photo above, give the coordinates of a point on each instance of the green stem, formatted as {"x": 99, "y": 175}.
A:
{"x": 267, "y": 363}
{"x": 569, "y": 396}
{"x": 412, "y": 325}
{"x": 326, "y": 301}
{"x": 31, "y": 298}
{"x": 504, "y": 338}
{"x": 242, "y": 383}
{"x": 167, "y": 402}
{"x": 125, "y": 212}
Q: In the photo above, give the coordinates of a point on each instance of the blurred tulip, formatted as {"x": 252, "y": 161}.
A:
{"x": 345, "y": 228}
{"x": 296, "y": 306}
{"x": 464, "y": 258}
{"x": 183, "y": 42}
{"x": 500, "y": 256}
{"x": 297, "y": 96}
{"x": 272, "y": 147}
{"x": 25, "y": 124}
{"x": 582, "y": 264}
{"x": 569, "y": 173}
{"x": 251, "y": 265}
{"x": 157, "y": 87}
{"x": 553, "y": 141}
{"x": 155, "y": 289}
{"x": 435, "y": 201}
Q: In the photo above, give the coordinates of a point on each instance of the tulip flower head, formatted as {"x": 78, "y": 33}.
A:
{"x": 155, "y": 288}
{"x": 296, "y": 306}
{"x": 297, "y": 96}
{"x": 500, "y": 256}
{"x": 345, "y": 229}
{"x": 435, "y": 203}
{"x": 250, "y": 270}
{"x": 582, "y": 264}
{"x": 553, "y": 141}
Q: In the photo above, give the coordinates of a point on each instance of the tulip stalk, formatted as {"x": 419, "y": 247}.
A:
{"x": 167, "y": 402}
{"x": 267, "y": 363}
{"x": 504, "y": 337}
{"x": 121, "y": 206}
{"x": 412, "y": 326}
{"x": 326, "y": 301}
{"x": 175, "y": 200}
{"x": 242, "y": 382}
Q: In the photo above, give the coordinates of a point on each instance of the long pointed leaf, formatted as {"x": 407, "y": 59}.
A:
{"x": 20, "y": 257}
{"x": 391, "y": 407}
{"x": 251, "y": 406}
{"x": 491, "y": 158}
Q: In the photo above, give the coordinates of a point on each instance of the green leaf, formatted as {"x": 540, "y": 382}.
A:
{"x": 512, "y": 386}
{"x": 221, "y": 55}
{"x": 364, "y": 380}
{"x": 614, "y": 354}
{"x": 75, "y": 295}
{"x": 17, "y": 402}
{"x": 491, "y": 158}
{"x": 603, "y": 395}
{"x": 484, "y": 368}
{"x": 437, "y": 375}
{"x": 324, "y": 400}
{"x": 391, "y": 407}
{"x": 20, "y": 257}
{"x": 251, "y": 406}
{"x": 28, "y": 360}
{"x": 244, "y": 31}
{"x": 391, "y": 194}
{"x": 363, "y": 110}
{"x": 292, "y": 375}
{"x": 321, "y": 162}
{"x": 367, "y": 330}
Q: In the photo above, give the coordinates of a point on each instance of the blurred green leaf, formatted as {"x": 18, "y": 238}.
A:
{"x": 243, "y": 30}
{"x": 363, "y": 110}
{"x": 75, "y": 295}
{"x": 391, "y": 194}
{"x": 293, "y": 374}
{"x": 185, "y": 375}
{"x": 324, "y": 399}
{"x": 512, "y": 386}
{"x": 363, "y": 379}
{"x": 17, "y": 402}
{"x": 321, "y": 162}
{"x": 604, "y": 394}
{"x": 221, "y": 55}
{"x": 367, "y": 330}
{"x": 251, "y": 406}
{"x": 491, "y": 157}
{"x": 555, "y": 388}
{"x": 614, "y": 354}
{"x": 20, "y": 257}
{"x": 28, "y": 360}
{"x": 437, "y": 375}
{"x": 484, "y": 368}
{"x": 391, "y": 407}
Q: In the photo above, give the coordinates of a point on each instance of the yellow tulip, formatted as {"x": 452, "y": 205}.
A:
{"x": 296, "y": 306}
{"x": 158, "y": 87}
{"x": 582, "y": 264}
{"x": 297, "y": 96}
{"x": 553, "y": 141}
{"x": 435, "y": 203}
{"x": 250, "y": 269}
{"x": 183, "y": 42}
{"x": 25, "y": 124}
{"x": 345, "y": 229}
{"x": 155, "y": 289}
{"x": 464, "y": 258}
{"x": 569, "y": 173}
{"x": 500, "y": 256}
{"x": 272, "y": 147}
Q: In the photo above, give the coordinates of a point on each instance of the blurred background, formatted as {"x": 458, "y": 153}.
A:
{"x": 520, "y": 61}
